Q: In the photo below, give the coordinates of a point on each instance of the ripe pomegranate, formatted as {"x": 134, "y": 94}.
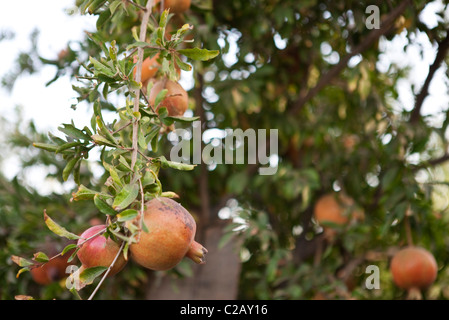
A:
{"x": 99, "y": 250}
{"x": 149, "y": 67}
{"x": 413, "y": 268}
{"x": 336, "y": 208}
{"x": 170, "y": 236}
{"x": 177, "y": 6}
{"x": 176, "y": 101}
{"x": 53, "y": 270}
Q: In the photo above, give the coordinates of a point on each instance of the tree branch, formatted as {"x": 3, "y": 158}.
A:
{"x": 443, "y": 48}
{"x": 138, "y": 77}
{"x": 432, "y": 162}
{"x": 204, "y": 174}
{"x": 374, "y": 35}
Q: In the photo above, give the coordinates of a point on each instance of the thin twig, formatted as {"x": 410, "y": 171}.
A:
{"x": 408, "y": 229}
{"x": 122, "y": 127}
{"x": 148, "y": 102}
{"x": 142, "y": 209}
{"x": 443, "y": 48}
{"x": 107, "y": 271}
{"x": 137, "y": 5}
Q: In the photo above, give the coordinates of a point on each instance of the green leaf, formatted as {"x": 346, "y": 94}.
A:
{"x": 199, "y": 54}
{"x": 73, "y": 132}
{"x": 137, "y": 44}
{"x": 169, "y": 194}
{"x": 184, "y": 66}
{"x": 102, "y": 68}
{"x": 45, "y": 146}
{"x": 176, "y": 165}
{"x": 22, "y": 262}
{"x": 83, "y": 193}
{"x": 125, "y": 197}
{"x": 103, "y": 206}
{"x": 164, "y": 18}
{"x": 126, "y": 215}
{"x": 114, "y": 5}
{"x": 67, "y": 146}
{"x": 104, "y": 131}
{"x": 102, "y": 141}
{"x": 69, "y": 168}
{"x": 123, "y": 161}
{"x": 115, "y": 176}
{"x": 88, "y": 275}
{"x": 57, "y": 229}
{"x": 182, "y": 118}
{"x": 22, "y": 271}
{"x": 40, "y": 257}
{"x": 68, "y": 248}
{"x": 160, "y": 97}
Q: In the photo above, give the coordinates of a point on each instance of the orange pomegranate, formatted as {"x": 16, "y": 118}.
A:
{"x": 177, "y": 6}
{"x": 176, "y": 101}
{"x": 336, "y": 208}
{"x": 99, "y": 250}
{"x": 413, "y": 268}
{"x": 150, "y": 66}
{"x": 170, "y": 236}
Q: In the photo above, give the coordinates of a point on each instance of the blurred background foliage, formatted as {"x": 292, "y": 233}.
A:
{"x": 310, "y": 69}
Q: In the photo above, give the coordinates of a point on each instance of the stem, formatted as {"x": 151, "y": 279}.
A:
{"x": 408, "y": 230}
{"x": 142, "y": 209}
{"x": 107, "y": 271}
{"x": 142, "y": 37}
{"x": 137, "y": 5}
{"x": 122, "y": 127}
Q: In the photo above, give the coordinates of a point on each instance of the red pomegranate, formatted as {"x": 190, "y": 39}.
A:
{"x": 413, "y": 268}
{"x": 170, "y": 236}
{"x": 99, "y": 250}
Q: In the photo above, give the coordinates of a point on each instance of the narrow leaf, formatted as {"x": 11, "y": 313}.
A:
{"x": 126, "y": 215}
{"x": 160, "y": 97}
{"x": 83, "y": 193}
{"x": 69, "y": 168}
{"x": 57, "y": 229}
{"x": 40, "y": 257}
{"x": 73, "y": 132}
{"x": 45, "y": 146}
{"x": 21, "y": 262}
{"x": 88, "y": 275}
{"x": 199, "y": 54}
{"x": 176, "y": 165}
{"x": 125, "y": 197}
{"x": 103, "y": 206}
{"x": 68, "y": 248}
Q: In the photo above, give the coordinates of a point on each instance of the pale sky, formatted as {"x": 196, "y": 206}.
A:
{"x": 50, "y": 106}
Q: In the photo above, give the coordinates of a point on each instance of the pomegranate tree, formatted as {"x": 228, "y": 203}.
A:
{"x": 133, "y": 158}
{"x": 170, "y": 236}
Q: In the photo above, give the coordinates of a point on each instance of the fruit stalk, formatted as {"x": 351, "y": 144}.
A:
{"x": 197, "y": 253}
